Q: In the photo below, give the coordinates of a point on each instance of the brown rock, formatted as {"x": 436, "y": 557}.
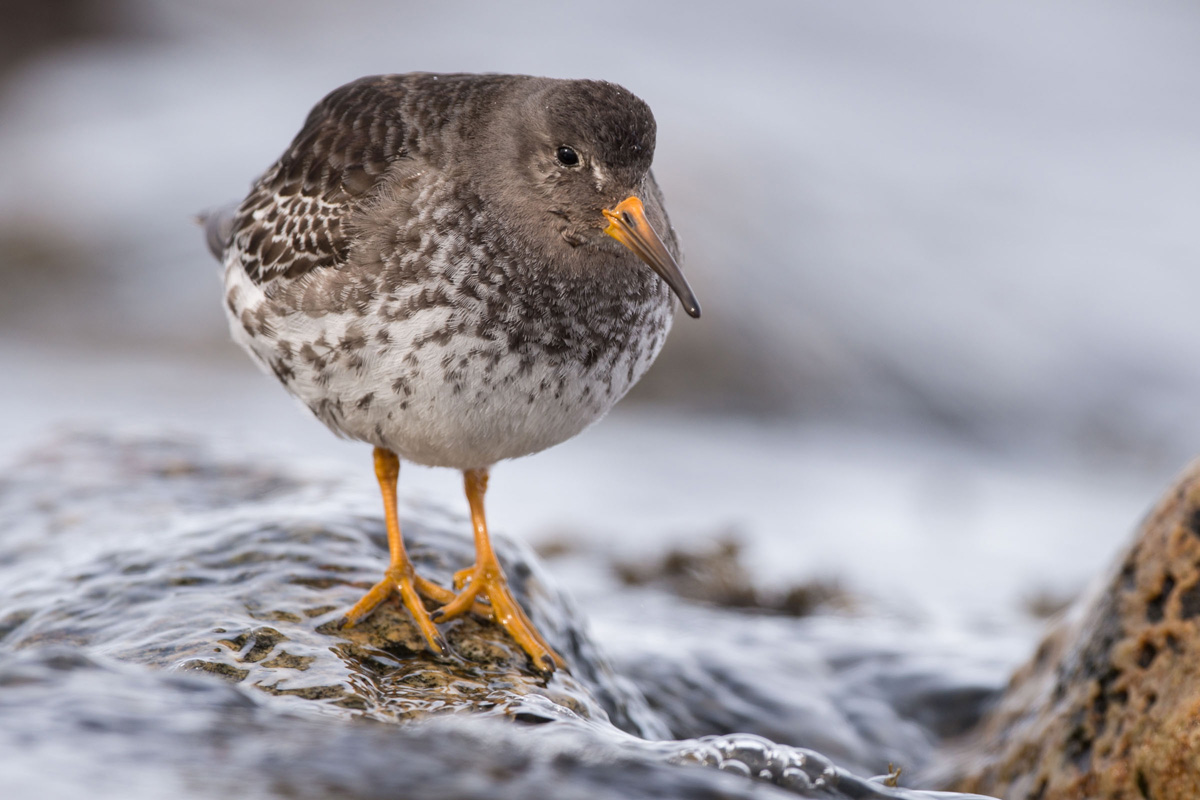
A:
{"x": 1109, "y": 707}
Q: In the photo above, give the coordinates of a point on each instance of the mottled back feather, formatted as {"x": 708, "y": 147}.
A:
{"x": 293, "y": 220}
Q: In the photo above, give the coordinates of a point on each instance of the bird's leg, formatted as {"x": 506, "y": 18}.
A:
{"x": 400, "y": 577}
{"x": 486, "y": 580}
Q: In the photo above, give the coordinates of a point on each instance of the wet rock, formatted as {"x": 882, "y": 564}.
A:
{"x": 168, "y": 619}
{"x": 155, "y": 553}
{"x": 124, "y": 731}
{"x": 1108, "y": 706}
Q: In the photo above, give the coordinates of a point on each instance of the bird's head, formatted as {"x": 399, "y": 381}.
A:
{"x": 582, "y": 151}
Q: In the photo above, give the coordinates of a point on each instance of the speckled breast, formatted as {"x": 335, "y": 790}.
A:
{"x": 445, "y": 374}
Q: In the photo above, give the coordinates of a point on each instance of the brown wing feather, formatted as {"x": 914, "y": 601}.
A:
{"x": 293, "y": 221}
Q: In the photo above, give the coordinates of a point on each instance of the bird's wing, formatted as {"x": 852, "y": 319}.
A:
{"x": 294, "y": 219}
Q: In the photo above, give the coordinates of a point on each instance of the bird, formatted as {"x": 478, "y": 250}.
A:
{"x": 457, "y": 269}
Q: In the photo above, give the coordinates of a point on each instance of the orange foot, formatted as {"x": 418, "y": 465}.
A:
{"x": 486, "y": 580}
{"x": 401, "y": 580}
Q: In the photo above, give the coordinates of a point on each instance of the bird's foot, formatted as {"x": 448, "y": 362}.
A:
{"x": 400, "y": 579}
{"x": 486, "y": 580}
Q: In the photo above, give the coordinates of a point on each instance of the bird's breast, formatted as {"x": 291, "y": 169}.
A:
{"x": 464, "y": 367}
{"x": 478, "y": 376}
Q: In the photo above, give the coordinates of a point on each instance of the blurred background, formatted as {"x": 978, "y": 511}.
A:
{"x": 947, "y": 254}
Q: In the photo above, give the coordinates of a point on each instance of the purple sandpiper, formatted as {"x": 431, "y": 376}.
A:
{"x": 456, "y": 269}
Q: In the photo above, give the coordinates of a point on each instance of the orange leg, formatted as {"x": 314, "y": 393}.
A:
{"x": 399, "y": 577}
{"x": 486, "y": 580}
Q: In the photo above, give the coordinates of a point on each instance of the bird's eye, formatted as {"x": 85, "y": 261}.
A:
{"x": 567, "y": 156}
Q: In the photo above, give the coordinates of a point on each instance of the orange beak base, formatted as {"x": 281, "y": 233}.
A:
{"x": 627, "y": 224}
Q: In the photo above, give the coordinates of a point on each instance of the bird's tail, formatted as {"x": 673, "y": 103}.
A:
{"x": 218, "y": 228}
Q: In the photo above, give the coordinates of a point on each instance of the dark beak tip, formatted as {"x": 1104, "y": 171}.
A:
{"x": 629, "y": 226}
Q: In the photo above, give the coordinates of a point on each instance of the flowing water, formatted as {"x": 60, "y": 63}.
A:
{"x": 132, "y": 567}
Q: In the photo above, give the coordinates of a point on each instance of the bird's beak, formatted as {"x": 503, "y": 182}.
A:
{"x": 627, "y": 224}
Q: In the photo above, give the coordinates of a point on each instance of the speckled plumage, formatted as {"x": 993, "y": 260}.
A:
{"x": 419, "y": 272}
